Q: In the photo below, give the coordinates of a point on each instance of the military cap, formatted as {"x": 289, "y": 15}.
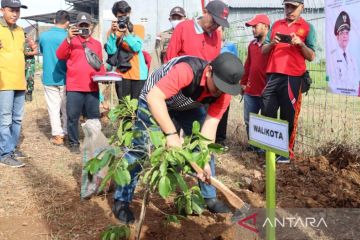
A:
{"x": 342, "y": 22}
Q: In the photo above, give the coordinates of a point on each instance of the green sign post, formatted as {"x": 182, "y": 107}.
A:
{"x": 271, "y": 135}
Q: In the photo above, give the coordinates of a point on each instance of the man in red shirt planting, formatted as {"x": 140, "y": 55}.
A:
{"x": 81, "y": 92}
{"x": 286, "y": 67}
{"x": 183, "y": 83}
{"x": 254, "y": 79}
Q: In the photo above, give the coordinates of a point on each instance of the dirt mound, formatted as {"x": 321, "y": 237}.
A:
{"x": 332, "y": 182}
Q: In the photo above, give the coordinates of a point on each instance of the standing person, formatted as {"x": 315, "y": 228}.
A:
{"x": 81, "y": 92}
{"x": 54, "y": 76}
{"x": 31, "y": 50}
{"x": 254, "y": 79}
{"x": 283, "y": 89}
{"x": 177, "y": 15}
{"x": 344, "y": 74}
{"x": 131, "y": 65}
{"x": 199, "y": 37}
{"x": 230, "y": 47}
{"x": 183, "y": 83}
{"x": 12, "y": 83}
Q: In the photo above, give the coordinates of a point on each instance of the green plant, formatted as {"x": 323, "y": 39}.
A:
{"x": 164, "y": 172}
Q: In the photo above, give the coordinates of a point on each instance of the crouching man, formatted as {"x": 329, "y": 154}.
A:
{"x": 184, "y": 83}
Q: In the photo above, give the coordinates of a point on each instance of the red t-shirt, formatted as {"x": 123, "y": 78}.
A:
{"x": 286, "y": 58}
{"x": 179, "y": 77}
{"x": 79, "y": 72}
{"x": 254, "y": 77}
{"x": 186, "y": 41}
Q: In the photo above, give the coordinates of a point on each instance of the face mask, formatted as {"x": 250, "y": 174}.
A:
{"x": 174, "y": 23}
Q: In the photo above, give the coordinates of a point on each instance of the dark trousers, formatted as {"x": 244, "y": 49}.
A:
{"x": 222, "y": 127}
{"x": 76, "y": 104}
{"x": 128, "y": 87}
{"x": 282, "y": 91}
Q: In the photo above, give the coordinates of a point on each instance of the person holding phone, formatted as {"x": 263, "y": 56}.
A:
{"x": 81, "y": 91}
{"x": 286, "y": 67}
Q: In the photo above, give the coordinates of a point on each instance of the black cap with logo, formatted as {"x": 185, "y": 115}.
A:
{"x": 342, "y": 22}
{"x": 178, "y": 11}
{"x": 83, "y": 17}
{"x": 12, "y": 4}
{"x": 219, "y": 11}
{"x": 227, "y": 71}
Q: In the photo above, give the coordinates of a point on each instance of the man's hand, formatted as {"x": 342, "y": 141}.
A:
{"x": 73, "y": 31}
{"x": 242, "y": 89}
{"x": 296, "y": 40}
{"x": 114, "y": 26}
{"x": 275, "y": 40}
{"x": 173, "y": 141}
{"x": 205, "y": 176}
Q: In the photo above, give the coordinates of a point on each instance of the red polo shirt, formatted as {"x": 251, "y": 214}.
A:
{"x": 79, "y": 72}
{"x": 189, "y": 38}
{"x": 286, "y": 58}
{"x": 255, "y": 70}
{"x": 181, "y": 76}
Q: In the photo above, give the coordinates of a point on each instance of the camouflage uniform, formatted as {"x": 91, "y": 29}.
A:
{"x": 29, "y": 73}
{"x": 162, "y": 42}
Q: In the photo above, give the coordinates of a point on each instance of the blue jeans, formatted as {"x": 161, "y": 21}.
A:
{"x": 11, "y": 114}
{"x": 185, "y": 121}
{"x": 252, "y": 104}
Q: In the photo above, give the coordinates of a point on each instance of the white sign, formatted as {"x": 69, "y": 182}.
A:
{"x": 269, "y": 132}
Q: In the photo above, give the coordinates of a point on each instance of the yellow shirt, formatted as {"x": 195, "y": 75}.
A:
{"x": 12, "y": 60}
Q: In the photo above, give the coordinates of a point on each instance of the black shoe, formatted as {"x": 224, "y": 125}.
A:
{"x": 122, "y": 212}
{"x": 216, "y": 206}
{"x": 75, "y": 148}
{"x": 19, "y": 155}
{"x": 10, "y": 161}
{"x": 28, "y": 97}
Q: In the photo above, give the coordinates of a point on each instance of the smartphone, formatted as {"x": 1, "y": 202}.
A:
{"x": 284, "y": 38}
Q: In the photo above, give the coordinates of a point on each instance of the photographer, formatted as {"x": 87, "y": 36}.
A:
{"x": 81, "y": 91}
{"x": 125, "y": 47}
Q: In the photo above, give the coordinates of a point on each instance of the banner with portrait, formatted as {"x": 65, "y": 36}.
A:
{"x": 342, "y": 47}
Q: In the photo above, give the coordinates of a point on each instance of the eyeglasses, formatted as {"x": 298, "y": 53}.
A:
{"x": 344, "y": 33}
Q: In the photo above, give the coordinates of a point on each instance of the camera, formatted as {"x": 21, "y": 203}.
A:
{"x": 123, "y": 22}
{"x": 84, "y": 31}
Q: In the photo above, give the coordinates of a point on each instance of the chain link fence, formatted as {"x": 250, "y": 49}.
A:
{"x": 326, "y": 119}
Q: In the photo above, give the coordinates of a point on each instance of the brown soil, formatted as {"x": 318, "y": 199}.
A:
{"x": 41, "y": 201}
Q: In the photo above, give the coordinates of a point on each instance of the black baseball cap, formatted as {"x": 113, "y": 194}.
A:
{"x": 178, "y": 11}
{"x": 219, "y": 11}
{"x": 227, "y": 71}
{"x": 12, "y": 4}
{"x": 83, "y": 17}
{"x": 293, "y": 2}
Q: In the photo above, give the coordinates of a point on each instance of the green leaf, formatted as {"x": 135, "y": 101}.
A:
{"x": 188, "y": 207}
{"x": 187, "y": 155}
{"x": 172, "y": 219}
{"x": 163, "y": 168}
{"x": 105, "y": 181}
{"x": 164, "y": 187}
{"x": 134, "y": 104}
{"x": 156, "y": 138}
{"x": 127, "y": 125}
{"x": 196, "y": 127}
{"x": 197, "y": 205}
{"x": 120, "y": 132}
{"x": 128, "y": 136}
{"x": 122, "y": 177}
{"x": 216, "y": 148}
{"x": 181, "y": 182}
{"x": 154, "y": 177}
